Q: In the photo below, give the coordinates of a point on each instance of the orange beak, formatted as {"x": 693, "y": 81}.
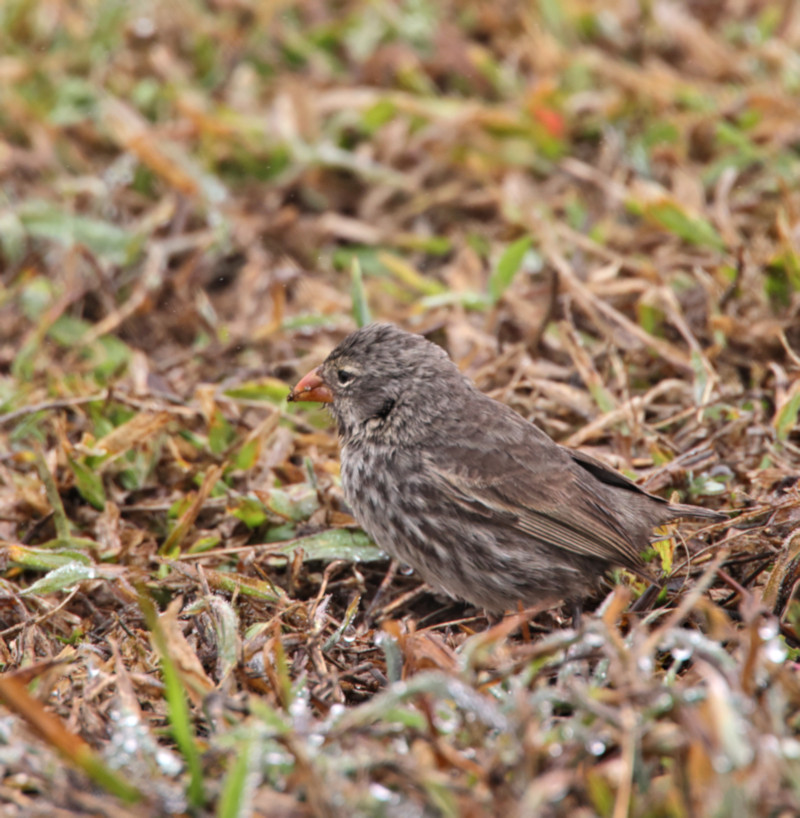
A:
{"x": 311, "y": 387}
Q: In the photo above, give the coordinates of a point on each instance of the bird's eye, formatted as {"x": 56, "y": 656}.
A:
{"x": 344, "y": 376}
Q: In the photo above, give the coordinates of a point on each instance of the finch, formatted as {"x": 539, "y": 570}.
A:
{"x": 479, "y": 501}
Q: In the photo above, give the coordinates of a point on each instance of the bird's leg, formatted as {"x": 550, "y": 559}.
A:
{"x": 646, "y": 600}
{"x": 493, "y": 618}
{"x": 385, "y": 583}
{"x": 576, "y": 608}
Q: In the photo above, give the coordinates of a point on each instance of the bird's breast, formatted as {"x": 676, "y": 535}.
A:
{"x": 375, "y": 480}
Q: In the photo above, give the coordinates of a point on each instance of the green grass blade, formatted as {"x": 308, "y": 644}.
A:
{"x": 359, "y": 295}
{"x": 177, "y": 702}
{"x": 236, "y": 789}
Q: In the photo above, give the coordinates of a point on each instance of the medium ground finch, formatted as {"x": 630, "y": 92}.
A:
{"x": 480, "y": 502}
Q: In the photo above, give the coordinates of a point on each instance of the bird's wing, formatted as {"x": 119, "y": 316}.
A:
{"x": 607, "y": 475}
{"x": 540, "y": 490}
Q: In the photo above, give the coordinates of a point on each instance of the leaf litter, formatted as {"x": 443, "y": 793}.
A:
{"x": 593, "y": 207}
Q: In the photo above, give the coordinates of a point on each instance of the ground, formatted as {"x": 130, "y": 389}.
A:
{"x": 593, "y": 206}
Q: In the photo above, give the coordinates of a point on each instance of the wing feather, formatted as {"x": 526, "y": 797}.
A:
{"x": 540, "y": 491}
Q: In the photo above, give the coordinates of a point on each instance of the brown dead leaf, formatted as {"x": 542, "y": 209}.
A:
{"x": 139, "y": 429}
{"x": 188, "y": 664}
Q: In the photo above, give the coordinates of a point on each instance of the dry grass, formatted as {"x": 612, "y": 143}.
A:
{"x": 594, "y": 206}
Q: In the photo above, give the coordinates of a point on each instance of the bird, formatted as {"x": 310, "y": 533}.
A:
{"x": 479, "y": 501}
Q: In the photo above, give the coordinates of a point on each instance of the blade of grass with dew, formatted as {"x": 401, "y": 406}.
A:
{"x": 52, "y": 730}
{"x": 226, "y": 627}
{"x": 335, "y": 544}
{"x": 392, "y": 654}
{"x": 351, "y": 611}
{"x": 238, "y": 784}
{"x": 177, "y": 702}
{"x": 432, "y": 683}
{"x": 44, "y": 559}
{"x": 62, "y": 578}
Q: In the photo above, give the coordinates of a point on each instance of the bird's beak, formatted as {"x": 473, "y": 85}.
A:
{"x": 311, "y": 387}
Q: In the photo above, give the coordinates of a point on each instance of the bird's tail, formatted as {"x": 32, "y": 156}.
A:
{"x": 695, "y": 512}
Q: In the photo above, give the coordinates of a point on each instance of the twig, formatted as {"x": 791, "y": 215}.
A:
{"x": 385, "y": 583}
{"x": 686, "y": 605}
{"x": 623, "y": 800}
{"x": 49, "y": 406}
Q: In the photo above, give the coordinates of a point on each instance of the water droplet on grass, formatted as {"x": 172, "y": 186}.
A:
{"x": 597, "y": 747}
{"x": 768, "y": 630}
{"x": 682, "y": 653}
{"x": 381, "y": 793}
{"x": 775, "y": 651}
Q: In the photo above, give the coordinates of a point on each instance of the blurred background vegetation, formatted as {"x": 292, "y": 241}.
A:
{"x": 593, "y": 205}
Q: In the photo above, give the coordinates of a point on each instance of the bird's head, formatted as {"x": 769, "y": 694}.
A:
{"x": 381, "y": 376}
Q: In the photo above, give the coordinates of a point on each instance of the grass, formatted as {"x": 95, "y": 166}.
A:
{"x": 592, "y": 206}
